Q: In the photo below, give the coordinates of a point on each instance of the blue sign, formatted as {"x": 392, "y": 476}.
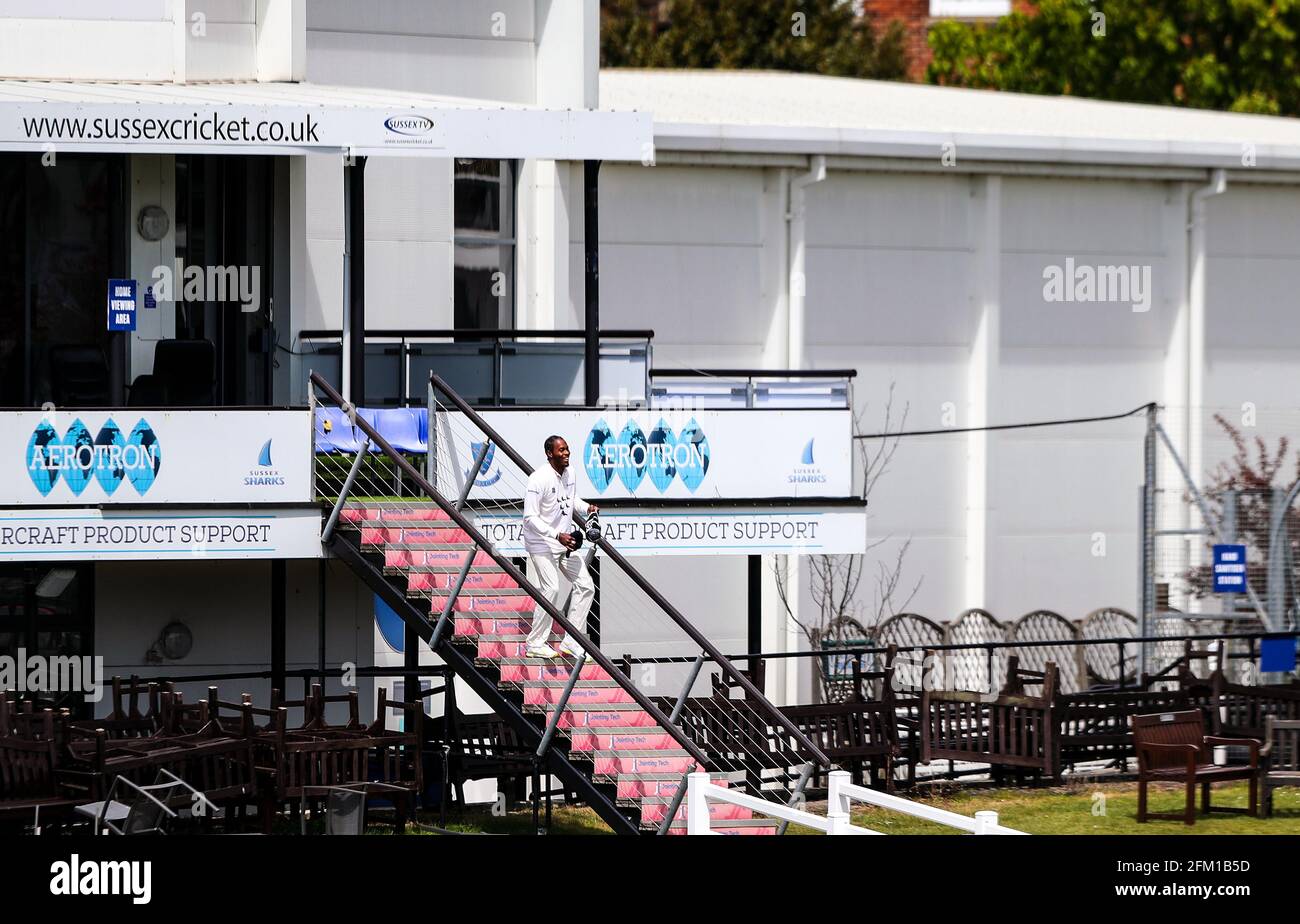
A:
{"x": 122, "y": 302}
{"x": 1277, "y": 655}
{"x": 1229, "y": 569}
{"x": 149, "y": 300}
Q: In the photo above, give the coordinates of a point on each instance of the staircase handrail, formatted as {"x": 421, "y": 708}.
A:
{"x": 773, "y": 714}
{"x": 510, "y": 569}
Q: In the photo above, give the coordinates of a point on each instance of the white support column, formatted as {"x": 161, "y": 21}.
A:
{"x": 1196, "y": 353}
{"x": 1176, "y": 385}
{"x": 981, "y": 384}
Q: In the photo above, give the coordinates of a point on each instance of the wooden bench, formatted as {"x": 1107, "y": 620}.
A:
{"x": 1007, "y": 731}
{"x": 1281, "y": 757}
{"x": 483, "y": 747}
{"x": 1172, "y": 747}
{"x": 1243, "y": 711}
{"x": 1097, "y": 726}
{"x": 29, "y": 774}
{"x": 855, "y": 735}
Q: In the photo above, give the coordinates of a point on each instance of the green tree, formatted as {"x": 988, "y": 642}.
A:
{"x": 1240, "y": 55}
{"x": 815, "y": 36}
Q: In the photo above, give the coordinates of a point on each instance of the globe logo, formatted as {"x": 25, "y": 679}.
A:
{"x": 662, "y": 455}
{"x": 77, "y": 458}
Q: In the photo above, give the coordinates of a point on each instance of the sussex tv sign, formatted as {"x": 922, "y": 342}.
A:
{"x": 81, "y": 458}
{"x": 704, "y": 454}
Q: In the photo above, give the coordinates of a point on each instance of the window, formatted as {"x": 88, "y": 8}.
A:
{"x": 484, "y": 244}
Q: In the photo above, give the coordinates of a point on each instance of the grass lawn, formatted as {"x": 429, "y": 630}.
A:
{"x": 1098, "y": 808}
{"x": 1077, "y": 808}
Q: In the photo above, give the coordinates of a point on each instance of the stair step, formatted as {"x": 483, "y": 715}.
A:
{"x": 496, "y": 626}
{"x": 610, "y": 716}
{"x": 494, "y": 602}
{"x": 360, "y": 513}
{"x": 612, "y": 764}
{"x": 536, "y": 695}
{"x": 491, "y": 650}
{"x": 647, "y": 786}
{"x": 476, "y": 582}
{"x": 409, "y": 536}
{"x": 497, "y": 601}
{"x": 750, "y": 826}
{"x": 654, "y": 810}
{"x": 451, "y": 559}
{"x": 521, "y": 670}
{"x": 622, "y": 739}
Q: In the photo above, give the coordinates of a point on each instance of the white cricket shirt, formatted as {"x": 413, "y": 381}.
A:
{"x": 549, "y": 502}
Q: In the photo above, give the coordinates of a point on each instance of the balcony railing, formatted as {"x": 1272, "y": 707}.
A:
{"x": 491, "y": 368}
{"x": 751, "y": 388}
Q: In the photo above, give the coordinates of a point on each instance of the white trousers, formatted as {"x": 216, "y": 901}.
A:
{"x": 545, "y": 570}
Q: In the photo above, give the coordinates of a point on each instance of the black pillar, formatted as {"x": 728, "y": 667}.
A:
{"x": 591, "y": 247}
{"x": 277, "y": 624}
{"x": 754, "y": 633}
{"x": 411, "y": 661}
{"x": 320, "y": 620}
{"x": 354, "y": 189}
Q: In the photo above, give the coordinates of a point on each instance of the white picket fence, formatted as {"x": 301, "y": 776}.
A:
{"x": 700, "y": 791}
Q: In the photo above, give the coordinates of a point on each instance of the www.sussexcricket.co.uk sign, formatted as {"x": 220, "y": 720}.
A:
{"x": 155, "y": 456}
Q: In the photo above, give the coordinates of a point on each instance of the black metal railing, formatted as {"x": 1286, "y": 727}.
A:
{"x": 454, "y": 513}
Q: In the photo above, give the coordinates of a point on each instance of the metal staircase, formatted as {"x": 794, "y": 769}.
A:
{"x": 624, "y": 747}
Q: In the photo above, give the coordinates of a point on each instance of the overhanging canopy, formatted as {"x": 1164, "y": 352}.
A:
{"x": 304, "y": 118}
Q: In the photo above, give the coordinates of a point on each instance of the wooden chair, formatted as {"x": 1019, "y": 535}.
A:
{"x": 1172, "y": 747}
{"x": 1281, "y": 754}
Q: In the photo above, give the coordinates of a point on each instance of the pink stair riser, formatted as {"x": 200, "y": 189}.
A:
{"x": 378, "y": 535}
{"x": 595, "y": 740}
{"x": 361, "y": 514}
{"x": 521, "y": 673}
{"x": 490, "y": 650}
{"x": 581, "y": 696}
{"x": 475, "y": 580}
{"x": 465, "y": 603}
{"x": 721, "y": 828}
{"x": 615, "y": 766}
{"x": 490, "y": 625}
{"x": 434, "y": 558}
{"x": 600, "y": 718}
{"x": 632, "y": 788}
{"x": 718, "y": 811}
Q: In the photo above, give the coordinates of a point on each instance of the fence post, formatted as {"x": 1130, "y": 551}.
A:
{"x": 837, "y": 800}
{"x": 697, "y": 803}
{"x": 986, "y": 822}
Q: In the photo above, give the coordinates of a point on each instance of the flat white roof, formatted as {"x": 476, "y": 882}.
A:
{"x": 295, "y": 118}
{"x": 775, "y": 112}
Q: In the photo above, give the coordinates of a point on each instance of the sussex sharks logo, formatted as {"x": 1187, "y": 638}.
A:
{"x": 481, "y": 478}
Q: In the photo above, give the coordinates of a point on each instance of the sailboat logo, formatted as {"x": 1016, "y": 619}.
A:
{"x": 264, "y": 457}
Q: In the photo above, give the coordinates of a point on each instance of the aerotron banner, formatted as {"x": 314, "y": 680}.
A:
{"x": 150, "y": 456}
{"x": 658, "y": 453}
